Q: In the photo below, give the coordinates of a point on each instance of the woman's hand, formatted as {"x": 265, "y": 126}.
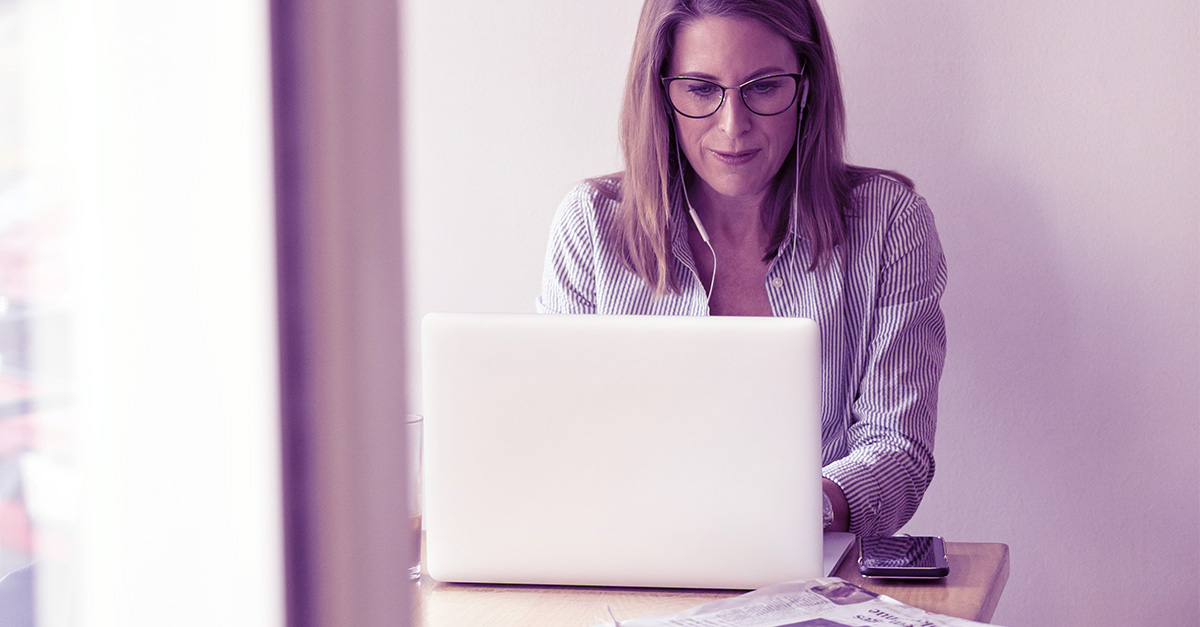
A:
{"x": 841, "y": 509}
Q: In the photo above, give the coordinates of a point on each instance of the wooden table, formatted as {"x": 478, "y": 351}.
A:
{"x": 978, "y": 572}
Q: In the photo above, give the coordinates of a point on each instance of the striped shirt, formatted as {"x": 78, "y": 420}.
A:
{"x": 883, "y": 338}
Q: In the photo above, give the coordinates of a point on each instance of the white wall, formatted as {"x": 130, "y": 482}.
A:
{"x": 505, "y": 114}
{"x": 1059, "y": 146}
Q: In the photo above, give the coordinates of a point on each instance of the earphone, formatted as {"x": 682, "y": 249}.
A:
{"x": 712, "y": 283}
{"x": 799, "y": 125}
{"x": 696, "y": 219}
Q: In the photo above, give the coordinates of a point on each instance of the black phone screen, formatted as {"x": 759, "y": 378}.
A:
{"x": 902, "y": 552}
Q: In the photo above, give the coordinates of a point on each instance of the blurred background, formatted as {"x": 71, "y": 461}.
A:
{"x": 139, "y": 463}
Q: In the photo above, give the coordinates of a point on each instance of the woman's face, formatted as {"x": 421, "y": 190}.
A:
{"x": 735, "y": 152}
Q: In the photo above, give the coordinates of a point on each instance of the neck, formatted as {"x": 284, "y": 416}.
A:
{"x": 734, "y": 220}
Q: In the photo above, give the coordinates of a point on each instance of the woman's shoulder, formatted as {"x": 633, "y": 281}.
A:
{"x": 607, "y": 187}
{"x": 593, "y": 200}
{"x": 889, "y": 218}
{"x": 881, "y": 197}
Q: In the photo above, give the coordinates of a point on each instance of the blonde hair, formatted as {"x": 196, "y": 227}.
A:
{"x": 651, "y": 185}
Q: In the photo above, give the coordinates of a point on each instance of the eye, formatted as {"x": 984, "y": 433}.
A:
{"x": 765, "y": 87}
{"x": 698, "y": 89}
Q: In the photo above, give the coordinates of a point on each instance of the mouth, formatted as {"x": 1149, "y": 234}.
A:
{"x": 734, "y": 158}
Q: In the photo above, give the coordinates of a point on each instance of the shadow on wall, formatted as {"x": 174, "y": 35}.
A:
{"x": 1047, "y": 371}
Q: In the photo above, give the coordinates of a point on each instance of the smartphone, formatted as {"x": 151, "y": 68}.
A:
{"x": 902, "y": 557}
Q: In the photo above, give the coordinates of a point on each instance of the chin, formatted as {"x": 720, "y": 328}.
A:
{"x": 741, "y": 188}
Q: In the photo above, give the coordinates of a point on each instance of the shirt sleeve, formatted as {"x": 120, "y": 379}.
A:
{"x": 569, "y": 276}
{"x": 894, "y": 413}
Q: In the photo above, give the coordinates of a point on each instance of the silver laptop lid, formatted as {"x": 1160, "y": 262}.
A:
{"x": 622, "y": 450}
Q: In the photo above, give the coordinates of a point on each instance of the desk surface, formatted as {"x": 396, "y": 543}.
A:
{"x": 978, "y": 572}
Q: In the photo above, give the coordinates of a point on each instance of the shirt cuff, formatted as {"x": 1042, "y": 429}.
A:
{"x": 863, "y": 495}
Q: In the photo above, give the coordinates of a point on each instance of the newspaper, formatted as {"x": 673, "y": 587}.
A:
{"x": 829, "y": 602}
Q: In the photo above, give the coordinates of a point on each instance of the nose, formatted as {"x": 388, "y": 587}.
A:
{"x": 733, "y": 116}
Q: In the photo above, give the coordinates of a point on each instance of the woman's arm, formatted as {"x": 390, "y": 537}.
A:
{"x": 894, "y": 412}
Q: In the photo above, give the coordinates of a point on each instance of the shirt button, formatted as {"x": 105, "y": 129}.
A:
{"x": 777, "y": 282}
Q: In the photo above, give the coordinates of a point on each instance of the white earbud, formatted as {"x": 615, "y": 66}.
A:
{"x": 699, "y": 225}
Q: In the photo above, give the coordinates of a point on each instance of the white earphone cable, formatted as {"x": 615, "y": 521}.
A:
{"x": 712, "y": 283}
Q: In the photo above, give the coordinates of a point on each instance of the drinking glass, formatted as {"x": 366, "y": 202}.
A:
{"x": 413, "y": 428}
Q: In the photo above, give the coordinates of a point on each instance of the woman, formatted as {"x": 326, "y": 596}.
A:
{"x": 736, "y": 200}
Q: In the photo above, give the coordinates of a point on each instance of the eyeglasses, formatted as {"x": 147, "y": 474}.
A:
{"x": 700, "y": 98}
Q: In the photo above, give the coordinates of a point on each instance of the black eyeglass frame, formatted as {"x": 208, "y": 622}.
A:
{"x": 667, "y": 80}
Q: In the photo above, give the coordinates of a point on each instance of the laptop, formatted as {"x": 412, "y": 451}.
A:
{"x": 623, "y": 451}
